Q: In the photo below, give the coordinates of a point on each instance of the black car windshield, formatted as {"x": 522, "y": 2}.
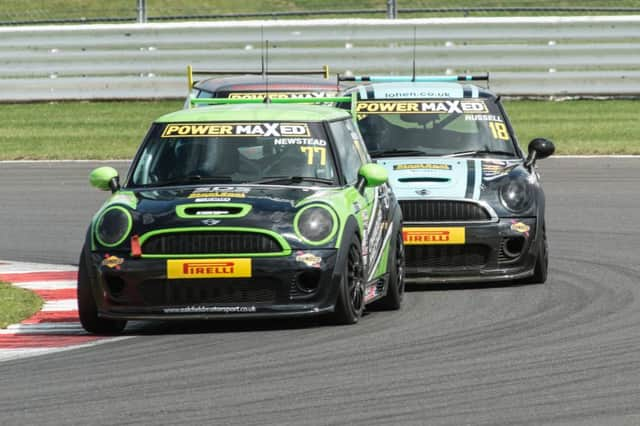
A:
{"x": 438, "y": 127}
{"x": 234, "y": 152}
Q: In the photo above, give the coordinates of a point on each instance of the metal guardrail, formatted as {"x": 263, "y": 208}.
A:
{"x": 542, "y": 56}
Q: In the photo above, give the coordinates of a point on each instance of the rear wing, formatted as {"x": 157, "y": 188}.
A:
{"x": 351, "y": 99}
{"x": 410, "y": 78}
{"x": 324, "y": 72}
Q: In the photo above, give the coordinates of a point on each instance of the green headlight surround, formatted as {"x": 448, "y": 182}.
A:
{"x": 334, "y": 229}
{"x": 124, "y": 234}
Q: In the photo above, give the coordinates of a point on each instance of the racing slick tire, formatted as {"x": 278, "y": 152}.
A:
{"x": 542, "y": 262}
{"x": 350, "y": 301}
{"x": 87, "y": 309}
{"x": 395, "y": 292}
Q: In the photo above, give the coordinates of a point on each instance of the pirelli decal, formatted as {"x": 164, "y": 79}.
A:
{"x": 422, "y": 166}
{"x": 208, "y": 268}
{"x": 431, "y": 236}
{"x": 194, "y": 130}
{"x": 460, "y": 106}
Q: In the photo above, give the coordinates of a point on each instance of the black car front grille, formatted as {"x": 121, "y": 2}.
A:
{"x": 442, "y": 211}
{"x": 214, "y": 242}
{"x": 196, "y": 291}
{"x": 447, "y": 256}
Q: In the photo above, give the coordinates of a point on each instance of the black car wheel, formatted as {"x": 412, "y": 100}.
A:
{"x": 395, "y": 291}
{"x": 87, "y": 309}
{"x": 350, "y": 302}
{"x": 542, "y": 261}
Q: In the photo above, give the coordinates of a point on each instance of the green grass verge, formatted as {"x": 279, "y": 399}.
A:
{"x": 579, "y": 127}
{"x": 113, "y": 130}
{"x": 77, "y": 130}
{"x": 15, "y": 10}
{"x": 17, "y": 304}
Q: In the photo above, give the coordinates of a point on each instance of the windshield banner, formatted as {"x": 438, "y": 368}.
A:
{"x": 194, "y": 130}
{"x": 459, "y": 106}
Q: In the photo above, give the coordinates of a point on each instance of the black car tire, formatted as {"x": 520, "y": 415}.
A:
{"x": 542, "y": 262}
{"x": 87, "y": 308}
{"x": 395, "y": 292}
{"x": 350, "y": 302}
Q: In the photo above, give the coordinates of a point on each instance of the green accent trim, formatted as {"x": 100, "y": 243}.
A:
{"x": 304, "y": 113}
{"x": 384, "y": 261}
{"x": 128, "y": 198}
{"x": 374, "y": 174}
{"x": 354, "y": 103}
{"x": 286, "y": 248}
{"x": 244, "y": 210}
{"x": 101, "y": 177}
{"x": 334, "y": 229}
{"x": 218, "y": 101}
{"x": 124, "y": 235}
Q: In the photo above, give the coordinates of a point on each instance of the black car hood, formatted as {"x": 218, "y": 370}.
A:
{"x": 270, "y": 207}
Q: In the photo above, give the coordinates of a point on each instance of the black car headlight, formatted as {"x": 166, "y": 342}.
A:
{"x": 316, "y": 224}
{"x": 113, "y": 226}
{"x": 516, "y": 195}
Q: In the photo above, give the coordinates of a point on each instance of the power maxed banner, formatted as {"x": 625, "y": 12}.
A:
{"x": 459, "y": 106}
{"x": 181, "y": 130}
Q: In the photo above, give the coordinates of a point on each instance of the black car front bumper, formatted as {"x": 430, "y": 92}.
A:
{"x": 502, "y": 250}
{"x": 139, "y": 288}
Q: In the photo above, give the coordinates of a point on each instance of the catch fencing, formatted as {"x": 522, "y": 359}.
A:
{"x": 537, "y": 56}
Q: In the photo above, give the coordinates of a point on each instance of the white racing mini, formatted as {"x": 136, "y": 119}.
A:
{"x": 473, "y": 206}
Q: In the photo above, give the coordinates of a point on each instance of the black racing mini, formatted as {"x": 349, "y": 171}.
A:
{"x": 282, "y": 84}
{"x": 237, "y": 211}
{"x": 472, "y": 201}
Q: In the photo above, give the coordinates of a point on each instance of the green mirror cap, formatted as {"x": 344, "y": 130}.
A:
{"x": 101, "y": 177}
{"x": 374, "y": 174}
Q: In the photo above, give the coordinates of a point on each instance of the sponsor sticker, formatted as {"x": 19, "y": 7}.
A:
{"x": 218, "y": 193}
{"x": 523, "y": 228}
{"x": 459, "y": 106}
{"x": 422, "y": 166}
{"x": 208, "y": 268}
{"x": 431, "y": 236}
{"x": 280, "y": 95}
{"x": 493, "y": 169}
{"x": 210, "y": 309}
{"x": 372, "y": 291}
{"x": 183, "y": 130}
{"x": 112, "y": 262}
{"x": 309, "y": 259}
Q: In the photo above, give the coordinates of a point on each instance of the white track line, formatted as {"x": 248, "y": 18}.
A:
{"x": 10, "y": 267}
{"x": 47, "y": 285}
{"x": 60, "y": 305}
{"x": 11, "y": 354}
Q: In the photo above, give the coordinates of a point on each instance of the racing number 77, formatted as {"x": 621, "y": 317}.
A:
{"x": 311, "y": 150}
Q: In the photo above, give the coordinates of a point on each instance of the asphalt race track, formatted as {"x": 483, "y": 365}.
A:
{"x": 563, "y": 353}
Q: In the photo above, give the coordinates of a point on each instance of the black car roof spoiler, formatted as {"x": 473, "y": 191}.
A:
{"x": 352, "y": 99}
{"x": 411, "y": 78}
{"x": 324, "y": 72}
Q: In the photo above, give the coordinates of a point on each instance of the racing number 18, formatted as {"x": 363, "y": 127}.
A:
{"x": 311, "y": 150}
{"x": 499, "y": 130}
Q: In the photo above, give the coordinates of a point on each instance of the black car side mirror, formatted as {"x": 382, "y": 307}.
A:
{"x": 539, "y": 148}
